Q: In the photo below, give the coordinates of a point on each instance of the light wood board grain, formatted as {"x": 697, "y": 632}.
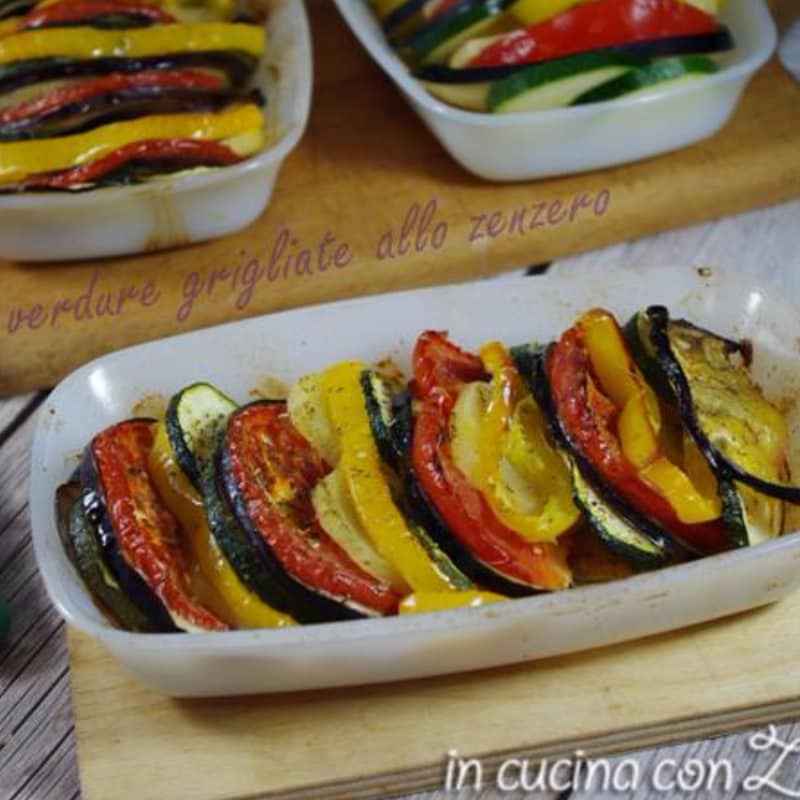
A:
{"x": 364, "y": 162}
{"x": 372, "y": 741}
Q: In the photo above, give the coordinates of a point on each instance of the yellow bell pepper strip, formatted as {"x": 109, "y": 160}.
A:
{"x": 529, "y": 12}
{"x": 18, "y": 160}
{"x": 516, "y": 434}
{"x": 360, "y": 464}
{"x": 240, "y": 607}
{"x": 639, "y": 421}
{"x": 424, "y": 602}
{"x": 89, "y": 43}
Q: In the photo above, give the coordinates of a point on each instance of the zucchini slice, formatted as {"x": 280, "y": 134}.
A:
{"x": 194, "y": 419}
{"x": 644, "y": 79}
{"x": 741, "y": 434}
{"x": 81, "y": 543}
{"x": 435, "y": 42}
{"x": 469, "y": 96}
{"x": 557, "y": 83}
{"x": 616, "y": 533}
{"x": 236, "y": 546}
{"x": 389, "y": 410}
{"x": 750, "y": 517}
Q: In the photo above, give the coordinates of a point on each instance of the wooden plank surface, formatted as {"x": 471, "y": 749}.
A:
{"x": 364, "y": 164}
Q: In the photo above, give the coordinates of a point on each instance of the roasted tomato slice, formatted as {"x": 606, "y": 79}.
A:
{"x": 595, "y": 25}
{"x": 147, "y": 533}
{"x": 269, "y": 471}
{"x": 440, "y": 371}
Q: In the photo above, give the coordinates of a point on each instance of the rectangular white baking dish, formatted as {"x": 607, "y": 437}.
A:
{"x": 238, "y": 356}
{"x": 539, "y": 144}
{"x": 181, "y": 209}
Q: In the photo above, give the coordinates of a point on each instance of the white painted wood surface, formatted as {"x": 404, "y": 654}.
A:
{"x": 37, "y": 744}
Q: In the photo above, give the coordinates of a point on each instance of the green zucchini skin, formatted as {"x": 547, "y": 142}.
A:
{"x": 723, "y": 466}
{"x": 129, "y": 581}
{"x": 378, "y": 399}
{"x": 530, "y": 362}
{"x": 392, "y": 423}
{"x": 237, "y": 547}
{"x": 637, "y": 336}
{"x": 539, "y": 77}
{"x": 452, "y": 23}
{"x": 81, "y": 543}
{"x": 648, "y": 76}
{"x": 207, "y": 409}
{"x": 616, "y": 533}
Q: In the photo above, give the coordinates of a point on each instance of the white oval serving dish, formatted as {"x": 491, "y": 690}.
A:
{"x": 510, "y": 147}
{"x": 238, "y": 356}
{"x": 181, "y": 209}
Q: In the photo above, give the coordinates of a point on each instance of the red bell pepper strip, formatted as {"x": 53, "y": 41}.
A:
{"x": 275, "y": 469}
{"x": 76, "y": 11}
{"x": 52, "y": 101}
{"x": 440, "y": 371}
{"x": 146, "y": 531}
{"x": 595, "y": 25}
{"x": 588, "y": 418}
{"x": 191, "y": 151}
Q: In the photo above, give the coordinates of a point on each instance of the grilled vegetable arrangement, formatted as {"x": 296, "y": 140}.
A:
{"x": 490, "y": 475}
{"x": 100, "y": 93}
{"x": 506, "y": 56}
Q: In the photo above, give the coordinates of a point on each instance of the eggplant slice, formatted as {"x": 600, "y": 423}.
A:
{"x": 237, "y": 66}
{"x": 741, "y": 434}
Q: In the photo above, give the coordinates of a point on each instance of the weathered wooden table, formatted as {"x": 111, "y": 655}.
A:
{"x": 37, "y": 744}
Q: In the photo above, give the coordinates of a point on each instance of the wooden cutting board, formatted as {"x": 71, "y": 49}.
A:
{"x": 363, "y": 168}
{"x": 374, "y": 742}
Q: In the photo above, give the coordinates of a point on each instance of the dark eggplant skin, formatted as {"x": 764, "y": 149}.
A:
{"x": 129, "y": 580}
{"x": 531, "y": 365}
{"x": 718, "y": 41}
{"x": 102, "y": 110}
{"x": 722, "y": 465}
{"x": 237, "y": 66}
{"x": 304, "y": 603}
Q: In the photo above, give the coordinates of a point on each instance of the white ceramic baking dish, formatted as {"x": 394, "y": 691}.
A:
{"x": 238, "y": 356}
{"x": 181, "y": 209}
{"x": 564, "y": 141}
